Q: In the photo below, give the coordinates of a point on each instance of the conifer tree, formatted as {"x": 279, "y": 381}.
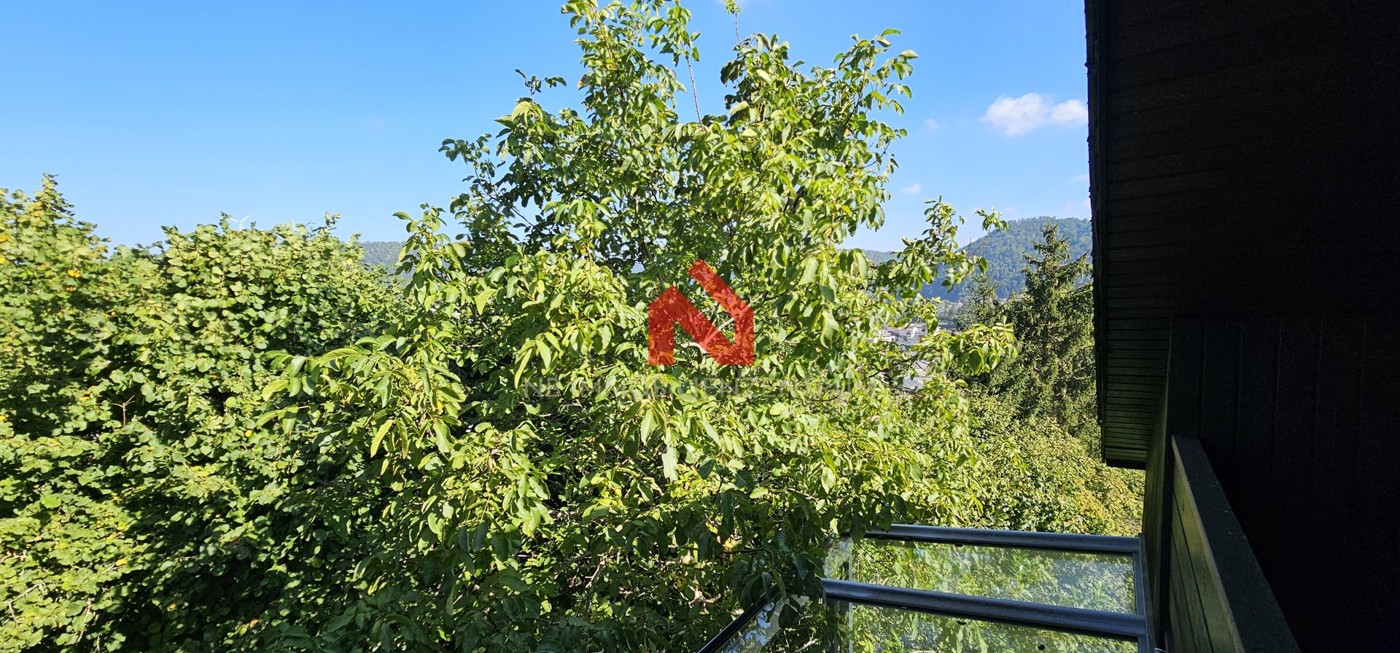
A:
{"x": 1054, "y": 375}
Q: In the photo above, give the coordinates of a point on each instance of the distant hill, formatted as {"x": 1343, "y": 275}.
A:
{"x": 1005, "y": 250}
{"x": 381, "y": 252}
{"x": 877, "y": 257}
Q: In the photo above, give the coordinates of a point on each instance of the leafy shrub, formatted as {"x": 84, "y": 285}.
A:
{"x": 1042, "y": 478}
{"x": 142, "y": 503}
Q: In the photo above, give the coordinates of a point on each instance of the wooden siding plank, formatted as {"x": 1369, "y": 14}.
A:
{"x": 1137, "y": 16}
{"x": 1184, "y": 378}
{"x": 1210, "y": 198}
{"x": 1135, "y": 404}
{"x": 1188, "y": 129}
{"x": 1138, "y": 352}
{"x": 1137, "y": 358}
{"x": 1122, "y": 448}
{"x": 1219, "y": 381}
{"x": 1134, "y": 324}
{"x": 1295, "y": 420}
{"x": 1128, "y": 450}
{"x": 1132, "y": 376}
{"x": 1377, "y": 472}
{"x": 1248, "y": 162}
{"x": 1254, "y": 427}
{"x": 1130, "y": 413}
{"x": 1237, "y": 602}
{"x": 1129, "y": 432}
{"x": 1143, "y": 396}
{"x": 1137, "y": 386}
{"x": 1211, "y": 20}
{"x": 1243, "y": 161}
{"x": 1152, "y": 370}
{"x": 1139, "y": 333}
{"x": 1163, "y": 270}
{"x": 1190, "y": 574}
{"x": 1133, "y": 436}
{"x": 1137, "y": 355}
{"x": 1187, "y": 77}
{"x": 1186, "y": 624}
{"x": 1113, "y": 459}
{"x": 1334, "y": 503}
{"x": 1132, "y": 408}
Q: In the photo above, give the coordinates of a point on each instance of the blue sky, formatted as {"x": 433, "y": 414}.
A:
{"x": 156, "y": 114}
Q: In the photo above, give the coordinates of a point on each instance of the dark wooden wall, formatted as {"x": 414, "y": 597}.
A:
{"x": 1245, "y": 180}
{"x": 1243, "y": 157}
{"x": 1300, "y": 420}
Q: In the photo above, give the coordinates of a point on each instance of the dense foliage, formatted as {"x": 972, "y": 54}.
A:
{"x": 245, "y": 439}
{"x": 139, "y": 493}
{"x": 1040, "y": 477}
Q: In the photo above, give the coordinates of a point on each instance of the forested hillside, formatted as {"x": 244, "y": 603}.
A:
{"x": 1005, "y": 251}
{"x": 247, "y": 440}
{"x": 381, "y": 252}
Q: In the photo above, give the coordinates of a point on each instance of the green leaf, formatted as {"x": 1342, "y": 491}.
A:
{"x": 525, "y": 355}
{"x": 668, "y": 462}
{"x": 379, "y": 433}
{"x": 648, "y": 423}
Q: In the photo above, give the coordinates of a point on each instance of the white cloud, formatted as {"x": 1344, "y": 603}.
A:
{"x": 930, "y": 125}
{"x": 911, "y": 189}
{"x": 1070, "y": 112}
{"x": 1081, "y": 179}
{"x": 1087, "y": 206}
{"x": 1016, "y": 116}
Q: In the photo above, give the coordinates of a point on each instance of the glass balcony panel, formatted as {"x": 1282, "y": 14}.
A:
{"x": 808, "y": 626}
{"x": 1094, "y": 581}
{"x": 891, "y": 629}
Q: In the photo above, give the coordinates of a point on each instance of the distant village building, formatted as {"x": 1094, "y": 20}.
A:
{"x": 908, "y": 336}
{"x": 905, "y": 336}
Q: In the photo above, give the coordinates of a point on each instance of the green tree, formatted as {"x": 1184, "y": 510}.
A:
{"x": 1053, "y": 376}
{"x": 982, "y": 305}
{"x": 551, "y": 489}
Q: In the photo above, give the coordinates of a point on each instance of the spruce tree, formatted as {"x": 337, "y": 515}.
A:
{"x": 1054, "y": 375}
